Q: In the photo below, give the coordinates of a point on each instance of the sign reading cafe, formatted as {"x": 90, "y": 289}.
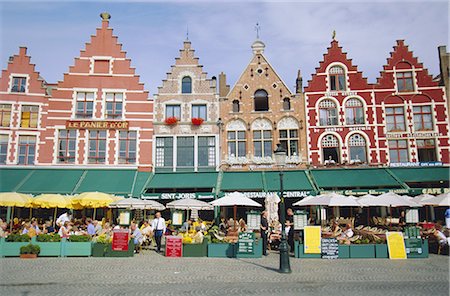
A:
{"x": 98, "y": 125}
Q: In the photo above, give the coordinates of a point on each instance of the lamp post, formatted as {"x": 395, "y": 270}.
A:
{"x": 280, "y": 159}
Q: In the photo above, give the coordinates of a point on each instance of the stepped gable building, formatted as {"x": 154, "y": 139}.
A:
{"x": 259, "y": 112}
{"x": 23, "y": 107}
{"x": 412, "y": 115}
{"x": 340, "y": 113}
{"x": 99, "y": 114}
{"x": 186, "y": 113}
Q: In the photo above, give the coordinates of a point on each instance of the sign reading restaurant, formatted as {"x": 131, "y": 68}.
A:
{"x": 99, "y": 125}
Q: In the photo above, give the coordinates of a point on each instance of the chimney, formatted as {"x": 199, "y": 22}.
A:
{"x": 299, "y": 83}
{"x": 213, "y": 82}
{"x": 224, "y": 89}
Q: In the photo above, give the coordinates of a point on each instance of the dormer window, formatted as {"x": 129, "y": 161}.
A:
{"x": 261, "y": 100}
{"x": 405, "y": 81}
{"x": 19, "y": 84}
{"x": 186, "y": 85}
{"x": 337, "y": 78}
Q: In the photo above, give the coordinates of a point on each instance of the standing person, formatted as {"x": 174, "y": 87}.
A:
{"x": 63, "y": 218}
{"x": 159, "y": 228}
{"x": 264, "y": 231}
{"x": 290, "y": 224}
{"x": 402, "y": 220}
{"x": 447, "y": 218}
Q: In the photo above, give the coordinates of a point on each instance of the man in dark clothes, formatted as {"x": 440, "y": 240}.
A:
{"x": 264, "y": 231}
{"x": 290, "y": 224}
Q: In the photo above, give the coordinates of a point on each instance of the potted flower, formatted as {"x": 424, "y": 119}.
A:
{"x": 29, "y": 251}
{"x": 197, "y": 121}
{"x": 171, "y": 120}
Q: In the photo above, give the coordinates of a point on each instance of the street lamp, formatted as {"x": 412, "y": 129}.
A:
{"x": 280, "y": 160}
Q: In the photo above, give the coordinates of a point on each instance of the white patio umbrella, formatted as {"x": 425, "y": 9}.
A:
{"x": 189, "y": 204}
{"x": 329, "y": 199}
{"x": 136, "y": 203}
{"x": 442, "y": 200}
{"x": 235, "y": 199}
{"x": 422, "y": 198}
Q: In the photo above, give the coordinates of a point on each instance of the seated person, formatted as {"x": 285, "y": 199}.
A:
{"x": 335, "y": 229}
{"x": 186, "y": 226}
{"x": 223, "y": 226}
{"x": 137, "y": 237}
{"x": 346, "y": 234}
{"x": 440, "y": 236}
{"x": 242, "y": 226}
{"x": 198, "y": 237}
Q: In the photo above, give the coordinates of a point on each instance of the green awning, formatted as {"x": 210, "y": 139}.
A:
{"x": 244, "y": 181}
{"x": 139, "y": 185}
{"x": 422, "y": 174}
{"x": 183, "y": 180}
{"x": 354, "y": 178}
{"x": 108, "y": 181}
{"x": 292, "y": 181}
{"x": 10, "y": 179}
{"x": 51, "y": 181}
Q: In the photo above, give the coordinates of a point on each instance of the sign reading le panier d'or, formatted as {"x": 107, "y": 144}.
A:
{"x": 99, "y": 125}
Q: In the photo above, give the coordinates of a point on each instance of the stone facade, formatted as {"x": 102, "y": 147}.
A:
{"x": 259, "y": 112}
{"x": 189, "y": 98}
{"x": 23, "y": 109}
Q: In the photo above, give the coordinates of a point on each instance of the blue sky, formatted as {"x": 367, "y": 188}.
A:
{"x": 296, "y": 33}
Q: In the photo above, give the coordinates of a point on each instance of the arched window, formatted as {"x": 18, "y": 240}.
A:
{"x": 286, "y": 104}
{"x": 354, "y": 111}
{"x": 236, "y": 106}
{"x": 337, "y": 78}
{"x": 357, "y": 147}
{"x": 330, "y": 149}
{"x": 186, "y": 85}
{"x": 261, "y": 100}
{"x": 328, "y": 113}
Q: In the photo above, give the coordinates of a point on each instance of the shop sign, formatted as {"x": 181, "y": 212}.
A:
{"x": 313, "y": 239}
{"x": 198, "y": 195}
{"x": 415, "y": 164}
{"x": 120, "y": 240}
{"x": 98, "y": 125}
{"x": 413, "y": 135}
{"x": 330, "y": 248}
{"x": 174, "y": 246}
{"x": 246, "y": 243}
{"x": 287, "y": 194}
{"x": 435, "y": 190}
{"x": 396, "y": 245}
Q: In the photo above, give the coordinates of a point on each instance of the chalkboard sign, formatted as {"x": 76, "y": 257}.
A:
{"x": 246, "y": 243}
{"x": 330, "y": 248}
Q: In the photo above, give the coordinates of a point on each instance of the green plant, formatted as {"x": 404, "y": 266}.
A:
{"x": 102, "y": 239}
{"x": 48, "y": 238}
{"x": 17, "y": 238}
{"x": 79, "y": 238}
{"x": 30, "y": 249}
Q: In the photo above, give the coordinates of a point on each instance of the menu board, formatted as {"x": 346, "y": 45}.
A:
{"x": 246, "y": 243}
{"x": 120, "y": 239}
{"x": 177, "y": 218}
{"x": 412, "y": 216}
{"x": 174, "y": 246}
{"x": 396, "y": 245}
{"x": 300, "y": 221}
{"x": 124, "y": 218}
{"x": 312, "y": 239}
{"x": 330, "y": 248}
{"x": 253, "y": 221}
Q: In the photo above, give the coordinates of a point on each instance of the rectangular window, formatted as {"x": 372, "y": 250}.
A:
{"x": 206, "y": 151}
{"x": 423, "y": 120}
{"x": 5, "y": 115}
{"x": 262, "y": 142}
{"x": 199, "y": 111}
{"x": 3, "y": 148}
{"x": 101, "y": 66}
{"x": 236, "y": 143}
{"x": 27, "y": 149}
{"x": 29, "y": 116}
{"x": 97, "y": 147}
{"x": 395, "y": 119}
{"x": 127, "y": 147}
{"x": 67, "y": 140}
{"x": 185, "y": 152}
{"x": 173, "y": 111}
{"x": 289, "y": 141}
{"x": 426, "y": 150}
{"x": 164, "y": 152}
{"x": 19, "y": 84}
{"x": 114, "y": 105}
{"x": 85, "y": 105}
{"x": 398, "y": 151}
{"x": 405, "y": 81}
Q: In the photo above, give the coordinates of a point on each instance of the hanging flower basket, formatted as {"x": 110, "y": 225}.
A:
{"x": 197, "y": 121}
{"x": 171, "y": 120}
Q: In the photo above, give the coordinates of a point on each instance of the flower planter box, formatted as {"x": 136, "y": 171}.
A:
{"x": 130, "y": 253}
{"x": 221, "y": 250}
{"x": 381, "y": 251}
{"x": 362, "y": 251}
{"x": 99, "y": 250}
{"x": 257, "y": 251}
{"x": 49, "y": 249}
{"x": 344, "y": 252}
{"x": 196, "y": 250}
{"x": 75, "y": 249}
{"x": 425, "y": 251}
{"x": 10, "y": 249}
{"x": 299, "y": 251}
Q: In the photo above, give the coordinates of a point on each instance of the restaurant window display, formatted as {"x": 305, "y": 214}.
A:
{"x": 127, "y": 147}
{"x": 97, "y": 147}
{"x": 164, "y": 152}
{"x": 5, "y": 115}
{"x": 67, "y": 140}
{"x": 27, "y": 150}
{"x": 328, "y": 113}
{"x": 185, "y": 152}
{"x": 398, "y": 151}
{"x": 330, "y": 149}
{"x": 3, "y": 148}
{"x": 114, "y": 105}
{"x": 426, "y": 150}
{"x": 29, "y": 116}
{"x": 85, "y": 105}
{"x": 357, "y": 148}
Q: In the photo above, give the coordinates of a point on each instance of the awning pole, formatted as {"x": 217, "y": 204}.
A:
{"x": 11, "y": 220}
{"x": 235, "y": 214}
{"x": 54, "y": 217}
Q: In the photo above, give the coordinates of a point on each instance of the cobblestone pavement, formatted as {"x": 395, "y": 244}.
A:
{"x": 153, "y": 274}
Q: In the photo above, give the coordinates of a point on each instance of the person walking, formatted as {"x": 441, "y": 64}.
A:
{"x": 290, "y": 229}
{"x": 159, "y": 228}
{"x": 264, "y": 231}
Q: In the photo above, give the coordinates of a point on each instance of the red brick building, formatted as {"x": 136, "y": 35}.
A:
{"x": 99, "y": 114}
{"x": 23, "y": 107}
